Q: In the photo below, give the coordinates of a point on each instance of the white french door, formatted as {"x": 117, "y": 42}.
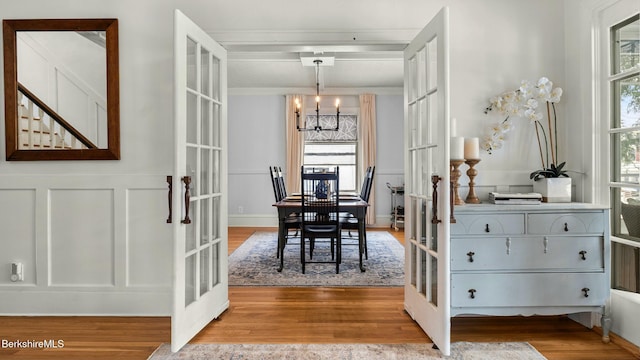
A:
{"x": 427, "y": 210}
{"x": 200, "y": 283}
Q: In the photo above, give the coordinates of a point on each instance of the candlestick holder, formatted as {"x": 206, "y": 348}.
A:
{"x": 472, "y": 198}
{"x": 455, "y": 176}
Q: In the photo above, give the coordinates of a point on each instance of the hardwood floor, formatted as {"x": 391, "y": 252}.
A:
{"x": 297, "y": 315}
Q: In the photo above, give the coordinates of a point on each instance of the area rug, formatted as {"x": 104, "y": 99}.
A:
{"x": 459, "y": 351}
{"x": 254, "y": 263}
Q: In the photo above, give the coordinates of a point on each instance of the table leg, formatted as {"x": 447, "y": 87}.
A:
{"x": 281, "y": 242}
{"x": 361, "y": 234}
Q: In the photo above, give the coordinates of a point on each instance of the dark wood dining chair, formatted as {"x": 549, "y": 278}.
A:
{"x": 350, "y": 222}
{"x": 292, "y": 222}
{"x": 320, "y": 214}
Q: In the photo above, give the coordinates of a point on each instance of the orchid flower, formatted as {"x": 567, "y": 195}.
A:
{"x": 524, "y": 103}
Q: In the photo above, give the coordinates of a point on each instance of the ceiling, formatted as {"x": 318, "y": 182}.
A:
{"x": 353, "y": 70}
{"x": 265, "y": 41}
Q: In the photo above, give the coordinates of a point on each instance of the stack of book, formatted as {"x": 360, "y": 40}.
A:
{"x": 515, "y": 199}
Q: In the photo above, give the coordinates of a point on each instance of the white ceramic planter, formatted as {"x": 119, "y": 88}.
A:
{"x": 554, "y": 189}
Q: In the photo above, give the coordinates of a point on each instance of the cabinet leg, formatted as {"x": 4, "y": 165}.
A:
{"x": 606, "y": 326}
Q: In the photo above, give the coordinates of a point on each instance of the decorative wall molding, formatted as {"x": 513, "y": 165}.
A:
{"x": 99, "y": 244}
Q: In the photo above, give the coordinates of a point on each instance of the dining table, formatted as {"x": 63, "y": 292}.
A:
{"x": 348, "y": 204}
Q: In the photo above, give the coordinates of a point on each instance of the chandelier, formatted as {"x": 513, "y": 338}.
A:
{"x": 317, "y": 127}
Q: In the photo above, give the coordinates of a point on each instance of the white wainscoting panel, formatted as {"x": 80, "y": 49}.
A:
{"x": 19, "y": 227}
{"x": 149, "y": 240}
{"x": 90, "y": 245}
{"x": 82, "y": 243}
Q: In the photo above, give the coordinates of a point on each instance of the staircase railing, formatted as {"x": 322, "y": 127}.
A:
{"x": 58, "y": 134}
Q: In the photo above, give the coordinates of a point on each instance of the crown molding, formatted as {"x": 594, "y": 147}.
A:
{"x": 309, "y": 91}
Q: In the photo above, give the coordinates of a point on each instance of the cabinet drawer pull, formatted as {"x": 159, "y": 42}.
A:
{"x": 486, "y": 228}
{"x": 566, "y": 227}
{"x": 470, "y": 255}
{"x": 508, "y": 246}
{"x": 582, "y": 255}
{"x": 473, "y": 293}
{"x": 586, "y": 291}
{"x": 546, "y": 244}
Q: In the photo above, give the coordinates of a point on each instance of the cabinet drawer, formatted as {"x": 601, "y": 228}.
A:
{"x": 488, "y": 224}
{"x": 534, "y": 253}
{"x": 513, "y": 290}
{"x": 568, "y": 223}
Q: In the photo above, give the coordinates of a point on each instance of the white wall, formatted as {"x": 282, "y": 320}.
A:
{"x": 92, "y": 234}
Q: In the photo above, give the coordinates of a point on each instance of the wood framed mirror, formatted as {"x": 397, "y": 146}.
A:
{"x": 61, "y": 89}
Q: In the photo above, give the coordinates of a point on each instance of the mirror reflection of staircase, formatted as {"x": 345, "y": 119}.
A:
{"x": 41, "y": 128}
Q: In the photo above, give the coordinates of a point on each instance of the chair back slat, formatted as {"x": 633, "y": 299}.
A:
{"x": 367, "y": 183}
{"x": 283, "y": 188}
{"x": 275, "y": 183}
{"x": 320, "y": 200}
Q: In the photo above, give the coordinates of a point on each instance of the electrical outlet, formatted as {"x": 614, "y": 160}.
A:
{"x": 240, "y": 209}
{"x": 17, "y": 273}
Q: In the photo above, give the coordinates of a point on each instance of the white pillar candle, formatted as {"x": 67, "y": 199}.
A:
{"x": 453, "y": 127}
{"x": 471, "y": 148}
{"x": 457, "y": 148}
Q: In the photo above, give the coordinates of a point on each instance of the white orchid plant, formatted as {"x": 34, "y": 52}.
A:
{"x": 524, "y": 102}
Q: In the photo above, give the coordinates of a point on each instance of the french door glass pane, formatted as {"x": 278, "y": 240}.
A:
{"x": 423, "y": 222}
{"x": 190, "y": 279}
{"x": 204, "y": 171}
{"x": 412, "y": 260}
{"x": 215, "y": 72}
{"x": 205, "y": 69}
{"x": 215, "y": 226}
{"x": 414, "y": 226}
{"x": 205, "y": 270}
{"x": 192, "y": 118}
{"x": 433, "y": 293}
{"x": 215, "y": 125}
{"x": 422, "y": 78}
{"x": 423, "y": 272}
{"x": 215, "y": 171}
{"x": 191, "y": 239}
{"x": 204, "y": 221}
{"x": 205, "y": 120}
{"x": 192, "y": 169}
{"x": 432, "y": 63}
{"x": 413, "y": 124}
{"x": 424, "y": 130}
{"x": 192, "y": 73}
{"x": 413, "y": 83}
{"x": 433, "y": 237}
{"x": 433, "y": 117}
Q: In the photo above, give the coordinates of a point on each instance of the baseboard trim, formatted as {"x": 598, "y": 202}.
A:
{"x": 621, "y": 342}
{"x": 84, "y": 303}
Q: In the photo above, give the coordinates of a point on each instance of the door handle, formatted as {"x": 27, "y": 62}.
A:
{"x": 434, "y": 199}
{"x": 187, "y": 198}
{"x": 169, "y": 198}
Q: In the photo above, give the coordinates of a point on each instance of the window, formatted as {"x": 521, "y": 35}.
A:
{"x": 329, "y": 149}
{"x": 624, "y": 136}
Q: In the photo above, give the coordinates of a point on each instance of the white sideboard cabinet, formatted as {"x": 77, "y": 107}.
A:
{"x": 546, "y": 259}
